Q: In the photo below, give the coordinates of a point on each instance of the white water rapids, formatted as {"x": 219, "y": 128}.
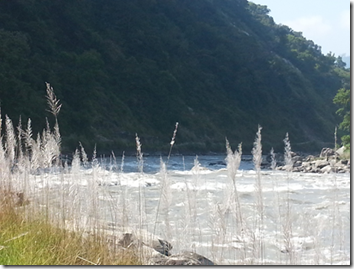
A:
{"x": 310, "y": 213}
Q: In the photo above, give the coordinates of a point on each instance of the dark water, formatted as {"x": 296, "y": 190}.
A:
{"x": 151, "y": 164}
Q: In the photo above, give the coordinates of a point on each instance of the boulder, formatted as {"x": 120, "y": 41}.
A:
{"x": 126, "y": 240}
{"x": 308, "y": 169}
{"x": 297, "y": 164}
{"x": 184, "y": 258}
{"x": 341, "y": 150}
{"x": 156, "y": 251}
{"x": 327, "y": 169}
{"x": 341, "y": 166}
{"x": 162, "y": 246}
{"x": 297, "y": 159}
{"x": 325, "y": 163}
{"x": 150, "y": 256}
{"x": 142, "y": 237}
{"x": 325, "y": 152}
{"x": 310, "y": 158}
{"x": 298, "y": 169}
{"x": 315, "y": 170}
{"x": 306, "y": 164}
{"x": 320, "y": 163}
{"x": 345, "y": 162}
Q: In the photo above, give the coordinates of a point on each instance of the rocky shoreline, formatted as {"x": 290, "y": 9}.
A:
{"x": 328, "y": 161}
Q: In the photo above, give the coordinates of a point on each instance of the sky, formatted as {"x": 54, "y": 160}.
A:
{"x": 325, "y": 22}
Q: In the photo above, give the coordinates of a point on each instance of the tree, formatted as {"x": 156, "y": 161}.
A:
{"x": 339, "y": 62}
{"x": 342, "y": 98}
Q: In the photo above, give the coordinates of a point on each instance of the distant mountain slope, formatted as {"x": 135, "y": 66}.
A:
{"x": 218, "y": 67}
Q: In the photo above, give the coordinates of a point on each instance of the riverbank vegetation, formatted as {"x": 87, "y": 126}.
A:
{"x": 29, "y": 235}
{"x": 342, "y": 99}
{"x": 36, "y": 241}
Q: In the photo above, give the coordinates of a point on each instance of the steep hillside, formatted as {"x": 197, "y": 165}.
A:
{"x": 219, "y": 68}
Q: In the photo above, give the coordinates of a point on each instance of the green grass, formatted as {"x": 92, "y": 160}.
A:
{"x": 36, "y": 242}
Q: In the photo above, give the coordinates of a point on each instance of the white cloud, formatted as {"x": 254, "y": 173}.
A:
{"x": 310, "y": 26}
{"x": 345, "y": 19}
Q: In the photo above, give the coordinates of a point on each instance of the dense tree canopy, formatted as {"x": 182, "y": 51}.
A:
{"x": 218, "y": 67}
{"x": 342, "y": 99}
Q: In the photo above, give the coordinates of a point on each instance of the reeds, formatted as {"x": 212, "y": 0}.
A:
{"x": 33, "y": 230}
{"x": 165, "y": 192}
{"x": 232, "y": 202}
{"x": 172, "y": 141}
{"x": 166, "y": 200}
{"x": 287, "y": 224}
{"x": 75, "y": 202}
{"x": 257, "y": 160}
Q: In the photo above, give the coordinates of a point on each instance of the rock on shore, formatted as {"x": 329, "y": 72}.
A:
{"x": 154, "y": 250}
{"x": 328, "y": 161}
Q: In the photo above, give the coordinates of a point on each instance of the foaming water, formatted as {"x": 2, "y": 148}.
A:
{"x": 310, "y": 213}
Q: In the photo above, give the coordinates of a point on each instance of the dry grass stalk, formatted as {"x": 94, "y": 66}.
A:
{"x": 53, "y": 102}
{"x": 287, "y": 225}
{"x": 257, "y": 159}
{"x": 233, "y": 161}
{"x": 273, "y": 163}
{"x": 172, "y": 141}
{"x": 287, "y": 154}
{"x": 139, "y": 154}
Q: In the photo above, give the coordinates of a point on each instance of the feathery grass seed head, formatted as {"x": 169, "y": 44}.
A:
{"x": 287, "y": 153}
{"x": 257, "y": 149}
{"x": 53, "y": 102}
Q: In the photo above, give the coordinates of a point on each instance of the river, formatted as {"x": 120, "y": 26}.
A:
{"x": 296, "y": 218}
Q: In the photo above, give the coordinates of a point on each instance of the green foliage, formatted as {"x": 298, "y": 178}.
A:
{"x": 121, "y": 67}
{"x": 342, "y": 99}
{"x": 36, "y": 242}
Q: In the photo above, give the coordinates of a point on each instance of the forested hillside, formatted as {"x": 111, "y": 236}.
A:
{"x": 218, "y": 67}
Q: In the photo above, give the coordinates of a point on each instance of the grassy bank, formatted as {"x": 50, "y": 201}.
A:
{"x": 35, "y": 241}
{"x": 28, "y": 234}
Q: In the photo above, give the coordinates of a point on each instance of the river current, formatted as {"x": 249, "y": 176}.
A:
{"x": 305, "y": 216}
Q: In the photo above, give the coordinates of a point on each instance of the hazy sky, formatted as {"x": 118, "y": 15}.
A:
{"x": 325, "y": 22}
